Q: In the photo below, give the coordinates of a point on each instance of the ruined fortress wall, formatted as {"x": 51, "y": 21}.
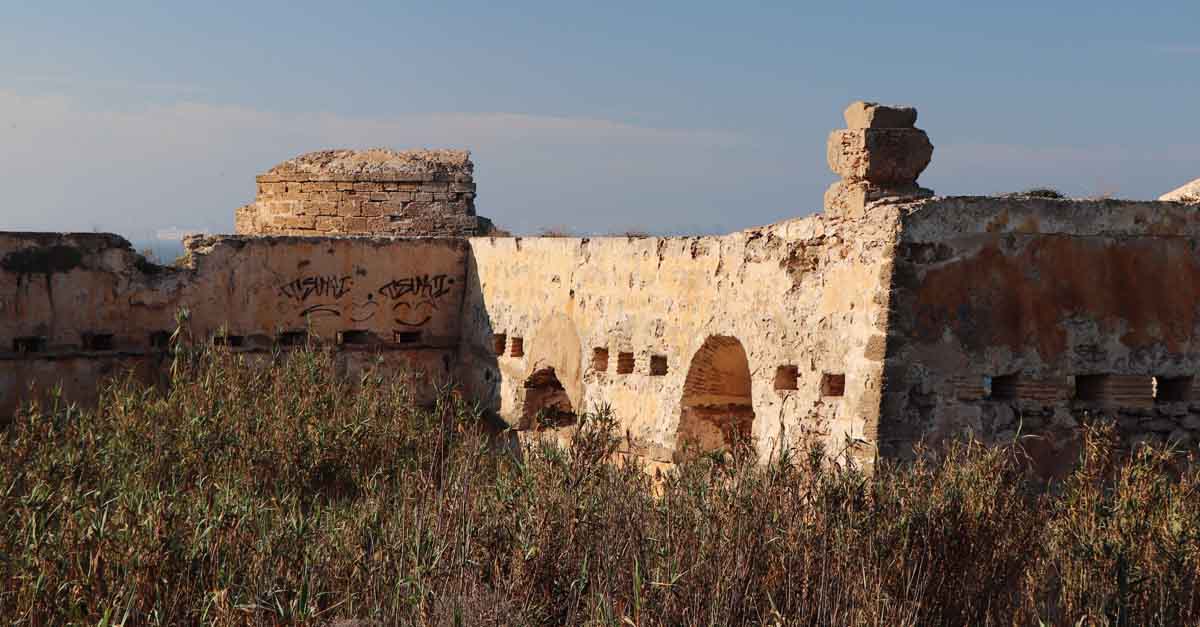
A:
{"x": 1026, "y": 315}
{"x": 783, "y": 323}
{"x": 77, "y": 307}
{"x": 780, "y": 327}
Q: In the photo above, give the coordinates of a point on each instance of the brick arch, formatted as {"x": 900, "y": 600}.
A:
{"x": 716, "y": 409}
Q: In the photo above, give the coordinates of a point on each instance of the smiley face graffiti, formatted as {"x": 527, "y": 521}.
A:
{"x": 414, "y": 299}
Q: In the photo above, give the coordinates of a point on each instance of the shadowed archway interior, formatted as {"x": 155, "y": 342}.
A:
{"x": 545, "y": 400}
{"x": 716, "y": 410}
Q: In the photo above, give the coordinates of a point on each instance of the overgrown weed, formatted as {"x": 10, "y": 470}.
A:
{"x": 278, "y": 492}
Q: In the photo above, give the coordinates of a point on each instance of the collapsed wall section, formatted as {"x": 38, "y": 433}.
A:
{"x": 75, "y": 308}
{"x": 693, "y": 342}
{"x": 1015, "y": 316}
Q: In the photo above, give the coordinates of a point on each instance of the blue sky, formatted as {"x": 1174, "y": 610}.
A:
{"x": 668, "y": 117}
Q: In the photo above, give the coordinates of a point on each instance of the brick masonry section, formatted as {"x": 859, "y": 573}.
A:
{"x": 373, "y": 192}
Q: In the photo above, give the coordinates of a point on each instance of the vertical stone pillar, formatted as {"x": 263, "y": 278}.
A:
{"x": 879, "y": 155}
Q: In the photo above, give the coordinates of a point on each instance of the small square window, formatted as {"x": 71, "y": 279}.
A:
{"x": 229, "y": 341}
{"x": 624, "y": 363}
{"x": 1003, "y": 388}
{"x": 355, "y": 336}
{"x": 600, "y": 359}
{"x": 29, "y": 344}
{"x": 407, "y": 337}
{"x": 160, "y": 340}
{"x": 97, "y": 341}
{"x": 833, "y": 384}
{"x": 291, "y": 338}
{"x": 787, "y": 378}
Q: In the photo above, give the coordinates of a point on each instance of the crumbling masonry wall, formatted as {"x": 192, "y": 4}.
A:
{"x": 77, "y": 307}
{"x": 1028, "y": 316}
{"x": 628, "y": 322}
{"x": 892, "y": 318}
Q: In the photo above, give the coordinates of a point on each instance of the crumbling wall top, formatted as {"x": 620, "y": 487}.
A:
{"x": 1187, "y": 193}
{"x": 375, "y": 164}
{"x": 950, "y": 217}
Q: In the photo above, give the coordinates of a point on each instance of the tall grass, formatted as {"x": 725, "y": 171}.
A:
{"x": 243, "y": 494}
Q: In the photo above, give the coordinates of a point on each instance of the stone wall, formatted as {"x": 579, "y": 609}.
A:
{"x": 384, "y": 192}
{"x": 85, "y": 305}
{"x": 1027, "y": 316}
{"x": 780, "y": 327}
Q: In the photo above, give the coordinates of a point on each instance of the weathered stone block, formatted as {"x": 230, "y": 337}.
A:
{"x": 862, "y": 114}
{"x": 850, "y": 198}
{"x": 321, "y": 208}
{"x": 297, "y": 222}
{"x": 379, "y": 224}
{"x": 879, "y": 155}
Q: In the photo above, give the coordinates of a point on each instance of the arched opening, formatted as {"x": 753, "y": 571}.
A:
{"x": 545, "y": 402}
{"x": 716, "y": 410}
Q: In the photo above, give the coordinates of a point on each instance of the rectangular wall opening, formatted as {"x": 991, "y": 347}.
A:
{"x": 1003, "y": 388}
{"x": 160, "y": 340}
{"x": 1173, "y": 389}
{"x": 499, "y": 340}
{"x": 787, "y": 378}
{"x": 517, "y": 348}
{"x": 833, "y": 384}
{"x": 292, "y": 338}
{"x": 356, "y": 336}
{"x": 29, "y": 344}
{"x": 408, "y": 337}
{"x": 624, "y": 363}
{"x": 1090, "y": 387}
{"x": 1121, "y": 390}
{"x": 97, "y": 341}
{"x": 658, "y": 365}
{"x": 229, "y": 341}
{"x": 600, "y": 359}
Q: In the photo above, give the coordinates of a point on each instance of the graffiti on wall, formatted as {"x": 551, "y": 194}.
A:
{"x": 413, "y": 299}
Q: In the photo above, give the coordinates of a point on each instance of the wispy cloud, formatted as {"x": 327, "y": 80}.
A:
{"x": 86, "y": 82}
{"x": 1186, "y": 49}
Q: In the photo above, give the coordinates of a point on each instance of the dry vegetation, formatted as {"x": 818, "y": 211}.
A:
{"x": 245, "y": 495}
